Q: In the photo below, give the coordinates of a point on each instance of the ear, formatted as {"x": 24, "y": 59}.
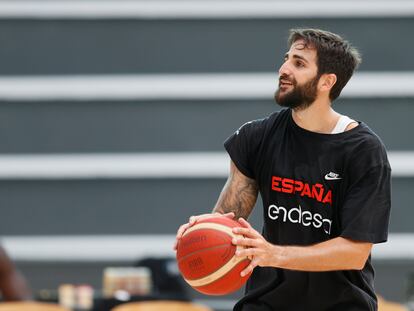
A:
{"x": 327, "y": 81}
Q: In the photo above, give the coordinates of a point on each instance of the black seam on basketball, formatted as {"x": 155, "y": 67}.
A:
{"x": 202, "y": 250}
{"x": 195, "y": 230}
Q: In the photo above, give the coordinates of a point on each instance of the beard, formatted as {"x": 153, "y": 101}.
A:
{"x": 301, "y": 97}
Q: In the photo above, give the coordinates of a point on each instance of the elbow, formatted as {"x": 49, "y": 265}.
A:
{"x": 360, "y": 260}
{"x": 360, "y": 265}
{"x": 355, "y": 264}
{"x": 358, "y": 254}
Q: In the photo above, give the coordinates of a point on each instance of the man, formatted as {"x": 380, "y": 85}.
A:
{"x": 13, "y": 286}
{"x": 325, "y": 184}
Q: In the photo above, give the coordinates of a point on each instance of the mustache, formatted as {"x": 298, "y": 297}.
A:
{"x": 286, "y": 78}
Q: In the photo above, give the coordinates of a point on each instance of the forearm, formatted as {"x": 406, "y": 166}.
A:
{"x": 236, "y": 200}
{"x": 229, "y": 202}
{"x": 335, "y": 254}
{"x": 239, "y": 195}
{"x": 239, "y": 201}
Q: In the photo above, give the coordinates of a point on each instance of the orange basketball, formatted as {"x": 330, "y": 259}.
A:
{"x": 206, "y": 257}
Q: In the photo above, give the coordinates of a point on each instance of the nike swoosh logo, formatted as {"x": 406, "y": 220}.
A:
{"x": 332, "y": 176}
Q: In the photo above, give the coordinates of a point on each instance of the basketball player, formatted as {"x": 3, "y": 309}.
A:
{"x": 324, "y": 179}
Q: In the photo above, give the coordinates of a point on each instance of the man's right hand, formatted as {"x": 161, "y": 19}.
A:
{"x": 193, "y": 220}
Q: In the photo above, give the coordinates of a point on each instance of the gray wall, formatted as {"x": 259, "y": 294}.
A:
{"x": 128, "y": 126}
{"x": 118, "y": 206}
{"x": 131, "y": 46}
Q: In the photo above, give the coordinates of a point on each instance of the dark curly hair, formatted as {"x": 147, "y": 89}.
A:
{"x": 334, "y": 55}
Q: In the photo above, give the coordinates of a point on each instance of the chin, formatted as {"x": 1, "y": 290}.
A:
{"x": 280, "y": 96}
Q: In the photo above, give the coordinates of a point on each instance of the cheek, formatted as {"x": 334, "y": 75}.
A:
{"x": 305, "y": 77}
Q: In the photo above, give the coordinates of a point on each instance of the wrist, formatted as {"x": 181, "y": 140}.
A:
{"x": 279, "y": 256}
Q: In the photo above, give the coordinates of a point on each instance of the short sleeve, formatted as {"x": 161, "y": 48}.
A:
{"x": 244, "y": 144}
{"x": 366, "y": 211}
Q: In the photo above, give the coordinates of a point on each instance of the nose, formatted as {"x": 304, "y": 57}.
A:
{"x": 284, "y": 70}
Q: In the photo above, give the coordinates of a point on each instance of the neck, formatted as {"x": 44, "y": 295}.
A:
{"x": 319, "y": 117}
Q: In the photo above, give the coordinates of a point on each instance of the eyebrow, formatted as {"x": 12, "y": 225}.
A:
{"x": 296, "y": 56}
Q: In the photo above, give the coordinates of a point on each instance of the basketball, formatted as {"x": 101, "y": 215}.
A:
{"x": 206, "y": 257}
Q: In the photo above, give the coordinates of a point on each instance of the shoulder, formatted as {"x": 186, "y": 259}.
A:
{"x": 368, "y": 138}
{"x": 367, "y": 147}
{"x": 260, "y": 125}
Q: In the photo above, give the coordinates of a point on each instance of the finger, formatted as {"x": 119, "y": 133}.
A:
{"x": 229, "y": 215}
{"x": 245, "y": 242}
{"x": 247, "y": 232}
{"x": 248, "y": 269}
{"x": 192, "y": 220}
{"x": 181, "y": 230}
{"x": 244, "y": 223}
{"x": 248, "y": 252}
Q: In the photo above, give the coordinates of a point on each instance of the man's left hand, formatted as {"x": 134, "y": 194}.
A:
{"x": 261, "y": 252}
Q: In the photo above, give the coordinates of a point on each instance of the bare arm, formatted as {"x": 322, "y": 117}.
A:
{"x": 239, "y": 194}
{"x": 13, "y": 286}
{"x": 335, "y": 254}
{"x": 237, "y": 198}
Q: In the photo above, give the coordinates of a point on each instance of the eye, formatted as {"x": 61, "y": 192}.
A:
{"x": 299, "y": 64}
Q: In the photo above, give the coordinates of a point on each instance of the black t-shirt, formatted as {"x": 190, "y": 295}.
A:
{"x": 314, "y": 187}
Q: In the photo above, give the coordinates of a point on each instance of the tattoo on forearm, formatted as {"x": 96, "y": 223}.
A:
{"x": 239, "y": 195}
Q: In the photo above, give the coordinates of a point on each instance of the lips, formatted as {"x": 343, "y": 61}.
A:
{"x": 284, "y": 83}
